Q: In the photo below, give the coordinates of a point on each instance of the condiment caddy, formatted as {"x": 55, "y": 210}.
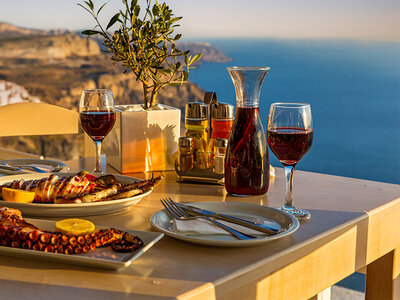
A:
{"x": 201, "y": 152}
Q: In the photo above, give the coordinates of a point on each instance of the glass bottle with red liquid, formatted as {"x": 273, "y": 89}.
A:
{"x": 222, "y": 117}
{"x": 247, "y": 162}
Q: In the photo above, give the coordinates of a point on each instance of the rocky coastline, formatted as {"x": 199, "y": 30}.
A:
{"x": 55, "y": 66}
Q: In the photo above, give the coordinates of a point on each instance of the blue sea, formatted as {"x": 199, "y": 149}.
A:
{"x": 353, "y": 88}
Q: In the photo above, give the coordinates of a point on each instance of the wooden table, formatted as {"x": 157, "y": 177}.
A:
{"x": 355, "y": 224}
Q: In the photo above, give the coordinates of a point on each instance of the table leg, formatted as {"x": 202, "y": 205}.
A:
{"x": 383, "y": 280}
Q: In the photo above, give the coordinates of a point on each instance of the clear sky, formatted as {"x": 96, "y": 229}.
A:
{"x": 360, "y": 19}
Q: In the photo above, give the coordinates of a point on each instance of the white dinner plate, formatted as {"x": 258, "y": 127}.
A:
{"x": 71, "y": 209}
{"x": 51, "y": 165}
{"x": 252, "y": 212}
{"x": 103, "y": 257}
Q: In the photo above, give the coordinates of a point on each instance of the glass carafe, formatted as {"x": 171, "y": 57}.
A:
{"x": 247, "y": 163}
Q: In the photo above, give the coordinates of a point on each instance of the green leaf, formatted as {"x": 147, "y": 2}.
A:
{"x": 85, "y": 8}
{"x": 101, "y": 8}
{"x": 195, "y": 58}
{"x": 155, "y": 79}
{"x": 176, "y": 19}
{"x": 156, "y": 10}
{"x": 177, "y": 37}
{"x": 175, "y": 83}
{"x": 149, "y": 46}
{"x": 113, "y": 20}
{"x": 90, "y": 4}
{"x": 91, "y": 32}
{"x": 123, "y": 15}
{"x": 136, "y": 10}
{"x": 133, "y": 3}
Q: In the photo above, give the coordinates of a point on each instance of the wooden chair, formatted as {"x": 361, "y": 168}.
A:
{"x": 37, "y": 119}
{"x": 31, "y": 118}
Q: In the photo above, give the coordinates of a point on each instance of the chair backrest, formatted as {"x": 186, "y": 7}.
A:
{"x": 31, "y": 118}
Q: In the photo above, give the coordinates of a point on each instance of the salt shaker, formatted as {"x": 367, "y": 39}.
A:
{"x": 185, "y": 154}
{"x": 219, "y": 155}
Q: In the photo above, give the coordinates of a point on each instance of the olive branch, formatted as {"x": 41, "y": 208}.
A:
{"x": 145, "y": 45}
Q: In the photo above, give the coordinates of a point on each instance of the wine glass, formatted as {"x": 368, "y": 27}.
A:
{"x": 290, "y": 135}
{"x": 97, "y": 115}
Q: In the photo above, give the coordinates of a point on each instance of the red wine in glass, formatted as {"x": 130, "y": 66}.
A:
{"x": 247, "y": 163}
{"x": 97, "y": 116}
{"x": 289, "y": 144}
{"x": 290, "y": 135}
{"x": 97, "y": 124}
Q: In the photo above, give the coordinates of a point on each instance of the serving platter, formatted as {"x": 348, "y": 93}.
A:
{"x": 71, "y": 209}
{"x": 104, "y": 258}
{"x": 252, "y": 212}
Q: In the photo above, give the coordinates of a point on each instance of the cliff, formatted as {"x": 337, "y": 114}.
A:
{"x": 48, "y": 47}
{"x": 8, "y": 30}
{"x": 56, "y": 68}
{"x": 210, "y": 54}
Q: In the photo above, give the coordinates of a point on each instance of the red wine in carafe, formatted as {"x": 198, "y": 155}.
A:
{"x": 247, "y": 163}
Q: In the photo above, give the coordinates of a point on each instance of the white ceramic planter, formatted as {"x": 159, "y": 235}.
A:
{"x": 142, "y": 141}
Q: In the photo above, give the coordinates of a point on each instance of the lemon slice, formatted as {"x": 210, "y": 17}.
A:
{"x": 20, "y": 196}
{"x": 74, "y": 227}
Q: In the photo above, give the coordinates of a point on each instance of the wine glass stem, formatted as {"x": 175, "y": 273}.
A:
{"x": 98, "y": 157}
{"x": 289, "y": 170}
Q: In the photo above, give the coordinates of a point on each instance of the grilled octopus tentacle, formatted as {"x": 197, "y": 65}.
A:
{"x": 16, "y": 232}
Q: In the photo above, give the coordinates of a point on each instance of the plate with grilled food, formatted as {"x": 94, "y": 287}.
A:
{"x": 102, "y": 247}
{"x": 74, "y": 194}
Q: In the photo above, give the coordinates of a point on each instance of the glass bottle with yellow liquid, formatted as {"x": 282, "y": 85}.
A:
{"x": 197, "y": 128}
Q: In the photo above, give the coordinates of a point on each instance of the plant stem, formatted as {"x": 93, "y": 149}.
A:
{"x": 153, "y": 97}
{"x": 146, "y": 96}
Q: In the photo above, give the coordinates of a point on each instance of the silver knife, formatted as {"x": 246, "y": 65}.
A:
{"x": 232, "y": 219}
{"x": 14, "y": 169}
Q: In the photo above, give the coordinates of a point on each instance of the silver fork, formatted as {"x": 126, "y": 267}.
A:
{"x": 176, "y": 212}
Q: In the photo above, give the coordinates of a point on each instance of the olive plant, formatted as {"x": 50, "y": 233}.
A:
{"x": 145, "y": 43}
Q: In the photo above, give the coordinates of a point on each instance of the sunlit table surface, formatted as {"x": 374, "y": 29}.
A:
{"x": 354, "y": 226}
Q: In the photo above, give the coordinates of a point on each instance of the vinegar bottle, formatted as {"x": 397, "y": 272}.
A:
{"x": 247, "y": 162}
{"x": 222, "y": 116}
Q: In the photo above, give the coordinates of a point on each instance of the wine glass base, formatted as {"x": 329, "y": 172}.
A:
{"x": 300, "y": 214}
